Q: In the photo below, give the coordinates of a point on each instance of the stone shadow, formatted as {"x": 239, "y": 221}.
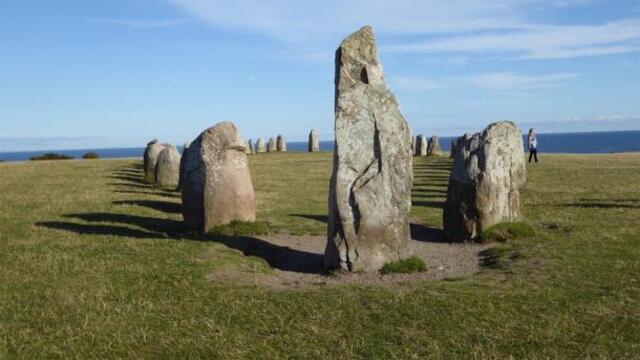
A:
{"x": 164, "y": 206}
{"x": 92, "y": 229}
{"x": 320, "y": 218}
{"x": 278, "y": 257}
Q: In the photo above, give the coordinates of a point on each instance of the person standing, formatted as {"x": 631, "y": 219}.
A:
{"x": 533, "y": 145}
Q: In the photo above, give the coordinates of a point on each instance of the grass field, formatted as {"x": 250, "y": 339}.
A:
{"x": 96, "y": 264}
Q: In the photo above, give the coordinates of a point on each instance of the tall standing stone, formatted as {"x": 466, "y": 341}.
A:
{"x": 183, "y": 158}
{"x": 421, "y": 145}
{"x": 217, "y": 185}
{"x": 271, "y": 145}
{"x": 168, "y": 166}
{"x": 151, "y": 153}
{"x": 281, "y": 143}
{"x": 414, "y": 141}
{"x": 433, "y": 148}
{"x": 370, "y": 191}
{"x": 314, "y": 141}
{"x": 261, "y": 148}
{"x": 486, "y": 178}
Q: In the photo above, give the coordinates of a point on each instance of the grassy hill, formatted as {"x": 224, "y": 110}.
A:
{"x": 95, "y": 263}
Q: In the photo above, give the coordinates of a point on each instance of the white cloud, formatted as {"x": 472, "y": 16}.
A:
{"x": 464, "y": 26}
{"x": 488, "y": 81}
{"x": 142, "y": 24}
{"x": 540, "y": 42}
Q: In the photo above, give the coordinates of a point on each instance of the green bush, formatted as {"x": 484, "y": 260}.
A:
{"x": 51, "y": 156}
{"x": 240, "y": 228}
{"x": 508, "y": 231}
{"x": 91, "y": 155}
{"x": 405, "y": 266}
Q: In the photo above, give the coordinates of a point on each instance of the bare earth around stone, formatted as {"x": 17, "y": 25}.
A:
{"x": 296, "y": 261}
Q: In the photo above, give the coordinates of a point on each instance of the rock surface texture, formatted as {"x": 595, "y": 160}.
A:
{"x": 485, "y": 182}
{"x": 370, "y": 191}
{"x": 168, "y": 166}
{"x": 251, "y": 149}
{"x": 271, "y": 145}
{"x": 261, "y": 148}
{"x": 421, "y": 146}
{"x": 314, "y": 141}
{"x": 281, "y": 143}
{"x": 433, "y": 147}
{"x": 183, "y": 158}
{"x": 151, "y": 153}
{"x": 217, "y": 186}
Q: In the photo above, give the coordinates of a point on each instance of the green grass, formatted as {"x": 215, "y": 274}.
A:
{"x": 508, "y": 231}
{"x": 96, "y": 263}
{"x": 240, "y": 228}
{"x": 405, "y": 266}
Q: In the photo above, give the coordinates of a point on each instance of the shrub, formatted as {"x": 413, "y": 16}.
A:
{"x": 240, "y": 228}
{"x": 405, "y": 266}
{"x": 51, "y": 156}
{"x": 91, "y": 155}
{"x": 508, "y": 231}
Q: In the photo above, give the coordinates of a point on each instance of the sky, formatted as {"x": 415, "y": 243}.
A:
{"x": 117, "y": 73}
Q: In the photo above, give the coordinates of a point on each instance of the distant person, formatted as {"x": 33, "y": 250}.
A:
{"x": 533, "y": 145}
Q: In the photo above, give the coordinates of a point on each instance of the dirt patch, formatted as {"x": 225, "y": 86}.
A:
{"x": 297, "y": 261}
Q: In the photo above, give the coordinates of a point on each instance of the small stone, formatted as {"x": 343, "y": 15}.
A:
{"x": 271, "y": 146}
{"x": 281, "y": 144}
{"x": 168, "y": 166}
{"x": 433, "y": 148}
{"x": 314, "y": 141}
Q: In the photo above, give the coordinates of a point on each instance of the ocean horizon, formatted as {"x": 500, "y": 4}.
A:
{"x": 604, "y": 142}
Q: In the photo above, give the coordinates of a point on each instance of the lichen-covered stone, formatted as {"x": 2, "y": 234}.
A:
{"x": 314, "y": 141}
{"x": 250, "y": 148}
{"x": 271, "y": 145}
{"x": 370, "y": 191}
{"x": 150, "y": 159}
{"x": 433, "y": 147}
{"x": 281, "y": 143}
{"x": 168, "y": 166}
{"x": 421, "y": 145}
{"x": 217, "y": 186}
{"x": 487, "y": 176}
{"x": 183, "y": 158}
{"x": 261, "y": 147}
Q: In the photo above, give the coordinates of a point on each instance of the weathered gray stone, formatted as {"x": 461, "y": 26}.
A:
{"x": 272, "y": 146}
{"x": 421, "y": 145}
{"x": 183, "y": 158}
{"x": 433, "y": 147}
{"x": 251, "y": 149}
{"x": 454, "y": 143}
{"x": 314, "y": 141}
{"x": 168, "y": 166}
{"x": 486, "y": 178}
{"x": 151, "y": 153}
{"x": 281, "y": 143}
{"x": 217, "y": 186}
{"x": 413, "y": 144}
{"x": 370, "y": 191}
{"x": 261, "y": 146}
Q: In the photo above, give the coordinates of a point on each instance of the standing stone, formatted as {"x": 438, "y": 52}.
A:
{"x": 183, "y": 158}
{"x": 151, "y": 153}
{"x": 217, "y": 185}
{"x": 486, "y": 178}
{"x": 370, "y": 191}
{"x": 433, "y": 148}
{"x": 261, "y": 147}
{"x": 314, "y": 141}
{"x": 453, "y": 147}
{"x": 281, "y": 144}
{"x": 168, "y": 166}
{"x": 421, "y": 145}
{"x": 271, "y": 146}
{"x": 413, "y": 144}
{"x": 251, "y": 149}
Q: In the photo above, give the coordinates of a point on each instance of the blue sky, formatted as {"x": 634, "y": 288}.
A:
{"x": 116, "y": 73}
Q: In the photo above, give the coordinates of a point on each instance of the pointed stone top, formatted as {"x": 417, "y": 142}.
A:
{"x": 357, "y": 60}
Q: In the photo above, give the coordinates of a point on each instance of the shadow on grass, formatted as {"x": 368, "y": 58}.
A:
{"x": 169, "y": 227}
{"x": 603, "y": 205}
{"x": 164, "y": 206}
{"x": 91, "y": 229}
{"x": 278, "y": 257}
{"x": 431, "y": 204}
{"x": 129, "y": 178}
{"x": 423, "y": 233}
{"x": 320, "y": 218}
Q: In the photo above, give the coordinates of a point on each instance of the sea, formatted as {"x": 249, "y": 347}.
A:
{"x": 579, "y": 143}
